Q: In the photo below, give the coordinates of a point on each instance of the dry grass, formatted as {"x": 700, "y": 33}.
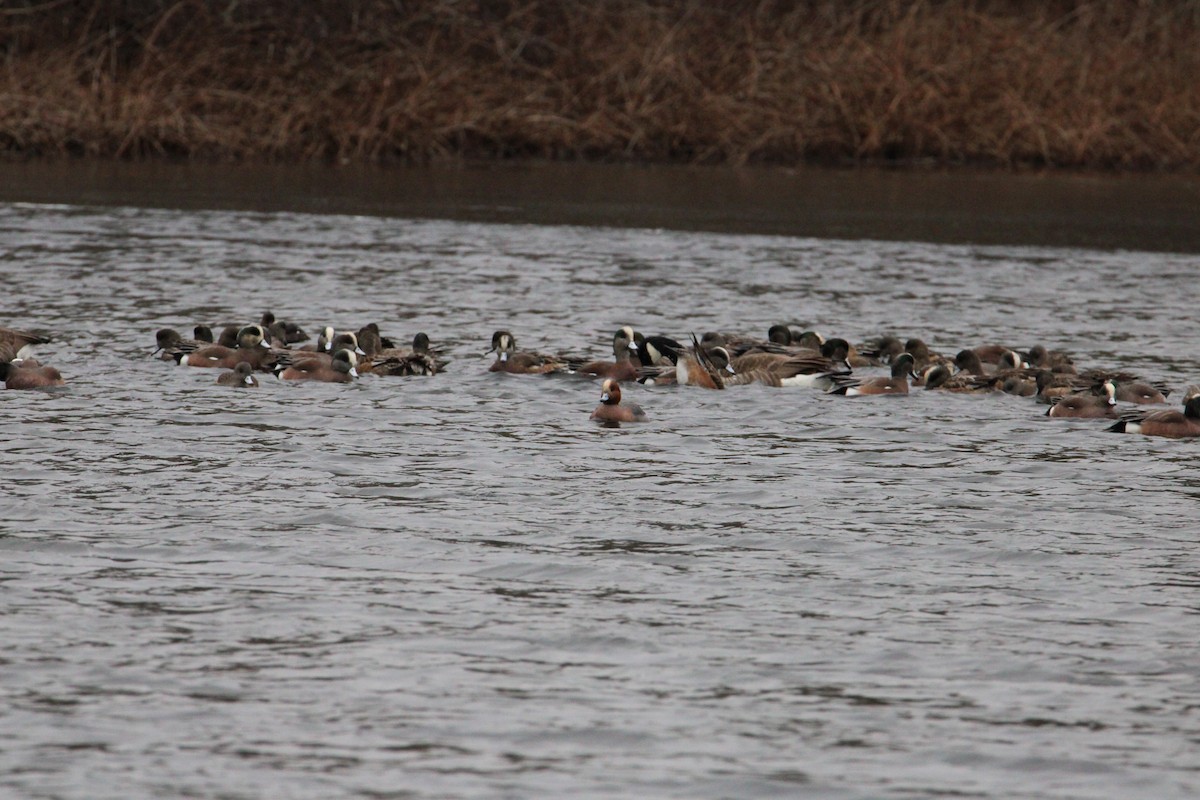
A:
{"x": 1102, "y": 84}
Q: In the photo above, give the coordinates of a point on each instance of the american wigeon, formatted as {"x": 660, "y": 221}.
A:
{"x": 417, "y": 360}
{"x": 171, "y": 341}
{"x": 324, "y": 343}
{"x": 252, "y": 348}
{"x": 922, "y": 356}
{"x": 371, "y": 341}
{"x": 883, "y": 349}
{"x": 610, "y": 409}
{"x": 1086, "y": 406}
{"x": 993, "y": 353}
{"x": 518, "y": 362}
{"x": 29, "y": 374}
{"x": 1169, "y": 423}
{"x": 1053, "y": 360}
{"x": 896, "y": 383}
{"x": 1141, "y": 393}
{"x": 242, "y": 376}
{"x": 340, "y": 368}
{"x": 622, "y": 367}
{"x": 1009, "y": 365}
{"x": 282, "y": 331}
{"x": 1018, "y": 385}
{"x": 1052, "y": 385}
{"x": 942, "y": 378}
{"x": 229, "y": 336}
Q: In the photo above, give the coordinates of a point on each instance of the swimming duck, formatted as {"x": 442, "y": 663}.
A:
{"x": 29, "y": 374}
{"x": 622, "y": 367}
{"x": 896, "y": 383}
{"x": 610, "y": 409}
{"x": 515, "y": 362}
{"x": 241, "y": 376}
{"x": 282, "y": 332}
{"x": 252, "y": 348}
{"x": 1169, "y": 423}
{"x": 340, "y": 368}
{"x": 1086, "y": 406}
{"x": 417, "y": 360}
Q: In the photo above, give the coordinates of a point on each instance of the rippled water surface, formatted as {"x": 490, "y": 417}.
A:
{"x": 459, "y": 587}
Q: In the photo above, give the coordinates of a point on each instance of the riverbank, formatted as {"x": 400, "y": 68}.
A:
{"x": 1100, "y": 85}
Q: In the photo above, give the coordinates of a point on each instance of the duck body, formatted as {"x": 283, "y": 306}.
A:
{"x": 1170, "y": 424}
{"x": 241, "y": 376}
{"x": 516, "y": 362}
{"x": 896, "y": 383}
{"x": 29, "y": 375}
{"x": 338, "y": 369}
{"x": 1086, "y": 406}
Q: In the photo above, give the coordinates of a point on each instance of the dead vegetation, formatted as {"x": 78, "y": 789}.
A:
{"x": 1011, "y": 83}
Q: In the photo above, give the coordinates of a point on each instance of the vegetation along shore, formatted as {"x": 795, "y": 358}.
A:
{"x": 1108, "y": 84}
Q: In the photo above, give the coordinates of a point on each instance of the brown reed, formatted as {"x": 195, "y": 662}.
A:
{"x": 1062, "y": 83}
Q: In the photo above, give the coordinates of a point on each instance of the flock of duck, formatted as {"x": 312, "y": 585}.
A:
{"x": 784, "y": 358}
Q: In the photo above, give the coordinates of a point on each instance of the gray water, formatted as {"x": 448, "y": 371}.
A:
{"x": 459, "y": 587}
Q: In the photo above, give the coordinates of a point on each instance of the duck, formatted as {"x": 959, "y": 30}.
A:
{"x": 998, "y": 354}
{"x": 29, "y": 374}
{"x": 171, "y": 341}
{"x": 240, "y": 376}
{"x": 1169, "y": 423}
{"x": 516, "y": 362}
{"x": 282, "y": 331}
{"x": 340, "y": 368}
{"x": 251, "y": 348}
{"x": 611, "y": 411}
{"x": 882, "y": 349}
{"x": 1086, "y": 406}
{"x": 1141, "y": 393}
{"x": 324, "y": 343}
{"x": 1053, "y": 360}
{"x": 921, "y": 354}
{"x": 417, "y": 360}
{"x": 942, "y": 378}
{"x": 622, "y": 367}
{"x": 371, "y": 341}
{"x": 695, "y": 368}
{"x": 1053, "y": 385}
{"x": 896, "y": 383}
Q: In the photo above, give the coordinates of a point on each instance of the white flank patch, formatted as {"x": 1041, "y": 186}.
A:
{"x": 800, "y": 380}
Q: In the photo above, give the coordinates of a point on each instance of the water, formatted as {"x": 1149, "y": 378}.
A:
{"x": 459, "y": 587}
